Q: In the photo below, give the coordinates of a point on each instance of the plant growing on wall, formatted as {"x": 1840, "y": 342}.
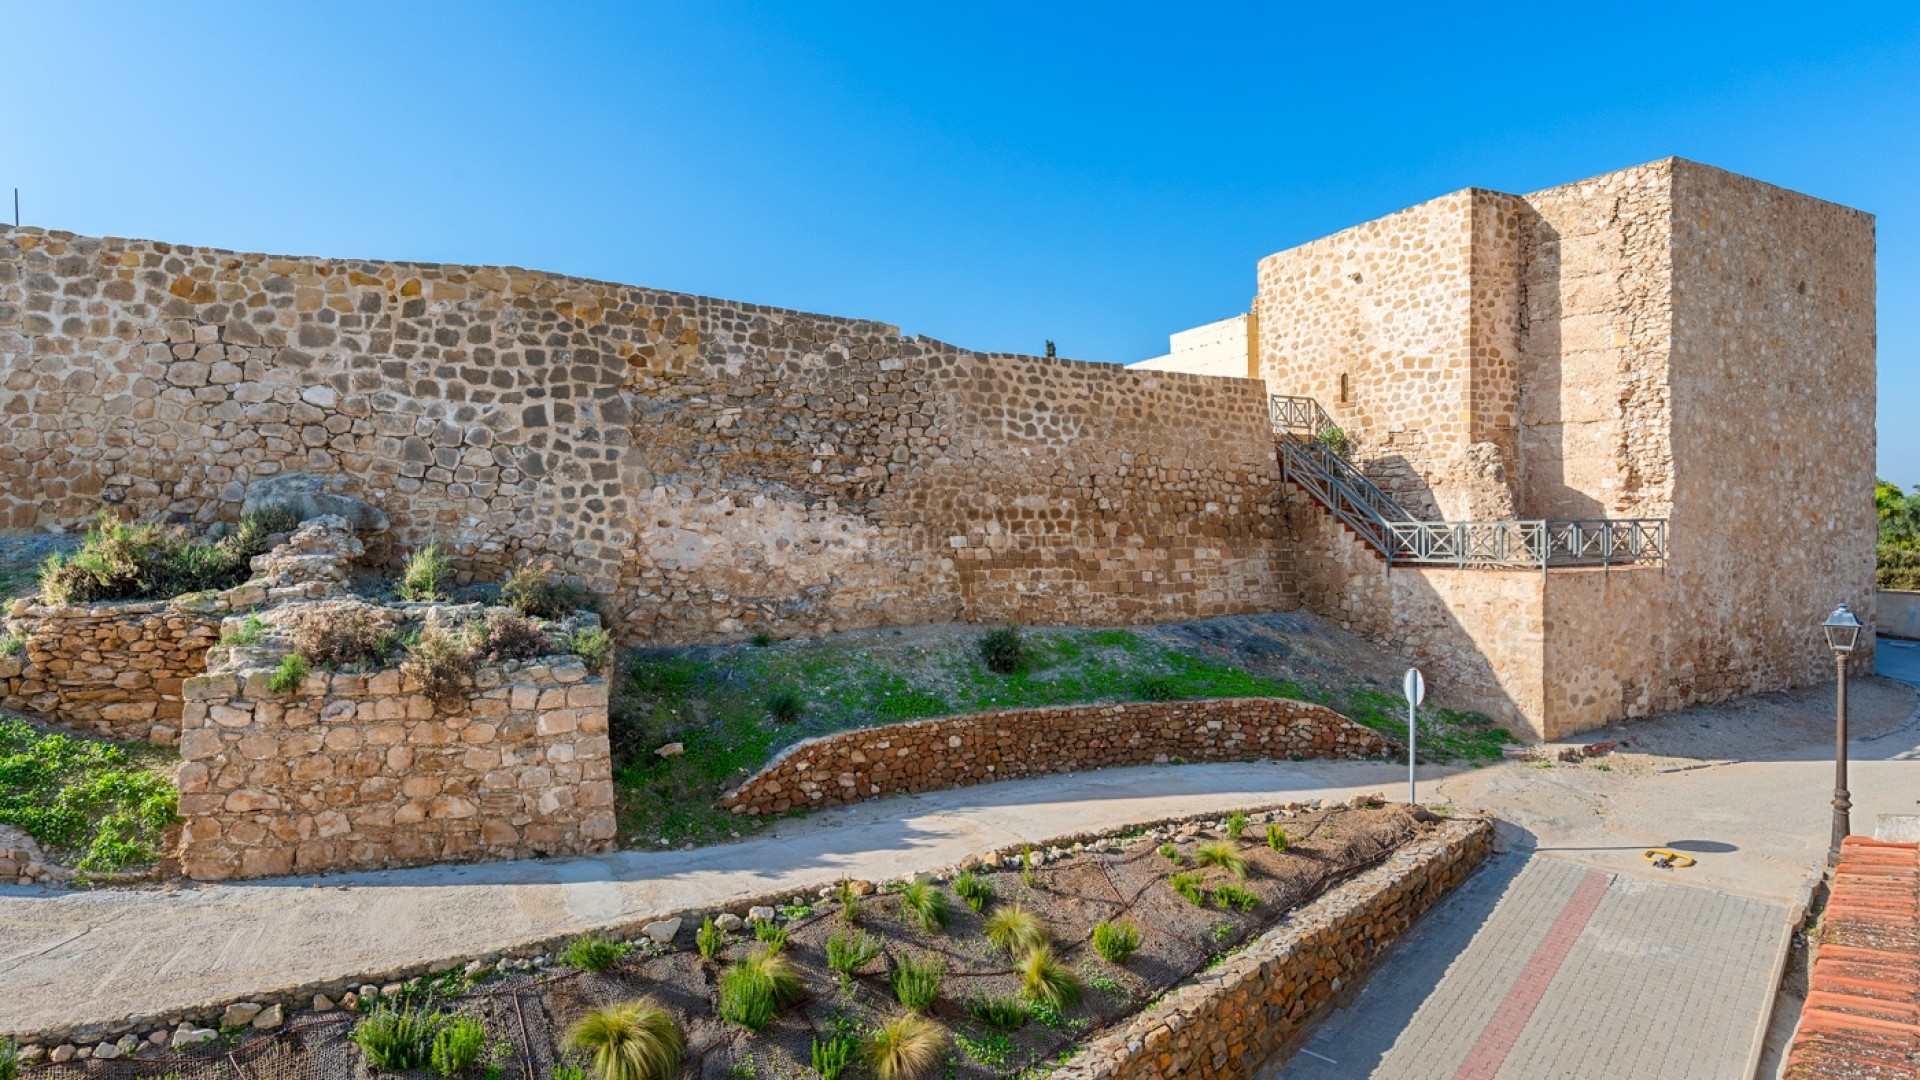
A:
{"x": 427, "y": 576}
{"x": 1336, "y": 440}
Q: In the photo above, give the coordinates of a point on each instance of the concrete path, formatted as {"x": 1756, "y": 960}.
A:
{"x": 1541, "y": 968}
{"x": 71, "y": 958}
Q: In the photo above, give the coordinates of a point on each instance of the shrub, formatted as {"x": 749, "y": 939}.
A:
{"x": 1336, "y": 440}
{"x": 594, "y": 646}
{"x": 1236, "y": 824}
{"x": 569, "y": 1072}
{"x": 762, "y": 639}
{"x": 785, "y": 705}
{"x": 904, "y": 1048}
{"x": 397, "y": 1039}
{"x": 344, "y": 635}
{"x": 634, "y": 1040}
{"x": 538, "y": 589}
{"x": 974, "y": 889}
{"x": 1116, "y": 941}
{"x": 442, "y": 661}
{"x": 1045, "y": 978}
{"x": 1221, "y": 855}
{"x": 850, "y": 950}
{"x": 1026, "y": 866}
{"x": 13, "y": 644}
{"x": 9, "y": 1060}
{"x": 1171, "y": 854}
{"x": 1001, "y": 1011}
{"x": 140, "y": 560}
{"x": 1017, "y": 930}
{"x": 1003, "y": 650}
{"x": 771, "y": 934}
{"x": 849, "y": 903}
{"x": 511, "y": 636}
{"x": 1187, "y": 884}
{"x": 709, "y": 940}
{"x": 927, "y": 904}
{"x": 746, "y": 999}
{"x": 1159, "y": 688}
{"x": 1276, "y": 838}
{"x": 457, "y": 1046}
{"x": 1235, "y": 897}
{"x": 916, "y": 984}
{"x": 832, "y": 1056}
{"x": 593, "y": 952}
{"x": 292, "y": 672}
{"x": 427, "y": 575}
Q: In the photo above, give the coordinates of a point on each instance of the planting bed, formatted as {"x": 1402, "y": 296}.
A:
{"x": 526, "y": 1011}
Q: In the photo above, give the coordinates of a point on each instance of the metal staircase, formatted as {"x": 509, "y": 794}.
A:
{"x": 1380, "y": 522}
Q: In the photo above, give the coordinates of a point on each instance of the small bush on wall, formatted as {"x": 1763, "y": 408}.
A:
{"x": 427, "y": 576}
{"x": 146, "y": 560}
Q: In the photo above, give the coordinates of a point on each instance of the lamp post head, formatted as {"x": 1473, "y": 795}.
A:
{"x": 1843, "y": 631}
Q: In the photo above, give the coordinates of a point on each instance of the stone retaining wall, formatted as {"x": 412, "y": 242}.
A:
{"x": 958, "y": 751}
{"x": 114, "y": 669}
{"x": 365, "y": 771}
{"x": 1229, "y": 1023}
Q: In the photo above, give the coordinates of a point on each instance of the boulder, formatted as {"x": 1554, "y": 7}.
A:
{"x": 662, "y": 932}
{"x": 239, "y": 1014}
{"x": 270, "y": 1017}
{"x": 310, "y": 496}
{"x": 728, "y": 922}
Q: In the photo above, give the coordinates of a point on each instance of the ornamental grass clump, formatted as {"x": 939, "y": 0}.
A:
{"x": 1046, "y": 979}
{"x": 1116, "y": 941}
{"x": 754, "y": 988}
{"x": 1017, "y": 930}
{"x": 1236, "y": 824}
{"x": 709, "y": 939}
{"x": 1222, "y": 855}
{"x": 457, "y": 1046}
{"x": 904, "y": 1048}
{"x": 1188, "y": 884}
{"x": 927, "y": 904}
{"x": 1276, "y": 838}
{"x": 634, "y": 1040}
{"x": 1237, "y": 898}
{"x": 850, "y": 950}
{"x": 832, "y": 1056}
{"x": 397, "y": 1039}
{"x": 917, "y": 983}
{"x": 974, "y": 889}
{"x": 771, "y": 934}
{"x": 593, "y": 952}
{"x": 1002, "y": 1011}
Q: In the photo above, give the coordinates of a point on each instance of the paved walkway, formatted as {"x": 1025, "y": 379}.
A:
{"x": 80, "y": 957}
{"x": 1541, "y": 968}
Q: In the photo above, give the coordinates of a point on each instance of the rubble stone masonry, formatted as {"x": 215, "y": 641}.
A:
{"x": 931, "y": 755}
{"x": 365, "y": 771}
{"x": 713, "y": 469}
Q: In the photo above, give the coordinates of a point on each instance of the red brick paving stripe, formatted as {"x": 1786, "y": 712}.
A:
{"x": 1496, "y": 1040}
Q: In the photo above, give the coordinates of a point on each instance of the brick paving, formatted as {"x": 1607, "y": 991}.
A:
{"x": 1538, "y": 968}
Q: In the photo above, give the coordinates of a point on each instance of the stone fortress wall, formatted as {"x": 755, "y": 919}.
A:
{"x": 1666, "y": 341}
{"x": 1669, "y": 341}
{"x": 713, "y": 469}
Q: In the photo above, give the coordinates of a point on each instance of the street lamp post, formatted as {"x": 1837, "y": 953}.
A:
{"x": 1843, "y": 633}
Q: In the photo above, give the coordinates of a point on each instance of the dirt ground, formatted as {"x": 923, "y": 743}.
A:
{"x": 526, "y": 1014}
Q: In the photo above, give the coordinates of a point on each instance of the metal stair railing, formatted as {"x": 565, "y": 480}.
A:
{"x": 1383, "y": 524}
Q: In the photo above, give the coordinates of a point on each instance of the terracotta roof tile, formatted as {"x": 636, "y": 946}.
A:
{"x": 1862, "y": 1016}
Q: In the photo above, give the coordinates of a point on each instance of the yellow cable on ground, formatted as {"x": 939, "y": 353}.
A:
{"x": 1667, "y": 859}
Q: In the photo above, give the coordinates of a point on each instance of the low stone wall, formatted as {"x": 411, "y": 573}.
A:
{"x": 1229, "y": 1023}
{"x": 365, "y": 771}
{"x": 114, "y": 669}
{"x": 1899, "y": 614}
{"x": 930, "y": 755}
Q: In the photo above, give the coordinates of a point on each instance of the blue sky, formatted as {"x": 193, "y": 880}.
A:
{"x": 992, "y": 175}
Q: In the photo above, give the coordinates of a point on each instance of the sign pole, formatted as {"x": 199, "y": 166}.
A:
{"x": 1415, "y": 685}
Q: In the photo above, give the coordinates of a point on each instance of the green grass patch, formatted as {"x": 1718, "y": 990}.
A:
{"x": 714, "y": 701}
{"x": 96, "y": 806}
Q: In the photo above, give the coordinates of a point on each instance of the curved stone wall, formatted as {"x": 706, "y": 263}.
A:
{"x": 929, "y": 755}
